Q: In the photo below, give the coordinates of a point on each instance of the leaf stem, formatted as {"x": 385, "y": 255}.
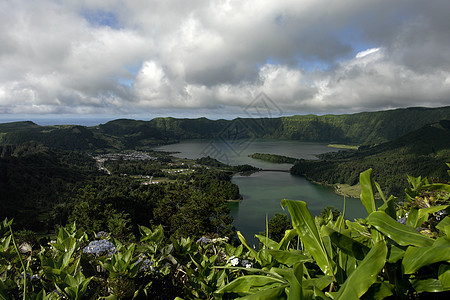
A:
{"x": 21, "y": 262}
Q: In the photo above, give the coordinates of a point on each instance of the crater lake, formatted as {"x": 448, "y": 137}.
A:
{"x": 263, "y": 191}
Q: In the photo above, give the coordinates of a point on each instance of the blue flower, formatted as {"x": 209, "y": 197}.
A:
{"x": 100, "y": 247}
{"x": 146, "y": 265}
{"x": 402, "y": 220}
{"x": 203, "y": 240}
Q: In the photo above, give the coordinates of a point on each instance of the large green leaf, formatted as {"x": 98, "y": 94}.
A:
{"x": 395, "y": 253}
{"x": 244, "y": 242}
{"x": 306, "y": 228}
{"x": 367, "y": 192}
{"x": 319, "y": 282}
{"x": 348, "y": 245}
{"x": 269, "y": 243}
{"x": 288, "y": 236}
{"x": 429, "y": 285}
{"x": 388, "y": 207}
{"x": 295, "y": 289}
{"x": 402, "y": 234}
{"x": 437, "y": 186}
{"x": 444, "y": 226}
{"x": 417, "y": 257}
{"x": 444, "y": 276}
{"x": 246, "y": 284}
{"x": 275, "y": 293}
{"x": 289, "y": 258}
{"x": 365, "y": 274}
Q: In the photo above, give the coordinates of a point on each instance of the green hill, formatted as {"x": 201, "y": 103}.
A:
{"x": 367, "y": 128}
{"x": 421, "y": 152}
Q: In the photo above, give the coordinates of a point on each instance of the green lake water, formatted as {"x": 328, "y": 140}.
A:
{"x": 263, "y": 191}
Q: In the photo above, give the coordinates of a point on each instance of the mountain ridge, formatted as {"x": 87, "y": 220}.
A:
{"x": 364, "y": 128}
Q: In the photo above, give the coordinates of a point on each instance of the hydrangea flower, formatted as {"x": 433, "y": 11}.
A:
{"x": 402, "y": 220}
{"x": 146, "y": 265}
{"x": 203, "y": 240}
{"x": 100, "y": 247}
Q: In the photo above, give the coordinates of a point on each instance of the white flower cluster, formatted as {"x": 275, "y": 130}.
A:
{"x": 235, "y": 262}
{"x": 440, "y": 215}
{"x": 102, "y": 235}
{"x": 205, "y": 240}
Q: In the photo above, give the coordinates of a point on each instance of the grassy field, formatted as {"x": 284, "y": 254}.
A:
{"x": 347, "y": 190}
{"x": 342, "y": 146}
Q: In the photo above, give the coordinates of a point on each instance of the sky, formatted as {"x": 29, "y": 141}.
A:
{"x": 67, "y": 59}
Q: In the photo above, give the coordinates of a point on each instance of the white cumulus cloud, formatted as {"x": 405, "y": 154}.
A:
{"x": 132, "y": 57}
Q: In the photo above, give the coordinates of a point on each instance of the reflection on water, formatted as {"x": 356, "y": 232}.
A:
{"x": 263, "y": 191}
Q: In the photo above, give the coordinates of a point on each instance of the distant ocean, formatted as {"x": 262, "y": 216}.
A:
{"x": 72, "y": 121}
{"x": 88, "y": 121}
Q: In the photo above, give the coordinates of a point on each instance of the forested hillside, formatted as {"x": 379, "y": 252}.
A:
{"x": 362, "y": 128}
{"x": 421, "y": 152}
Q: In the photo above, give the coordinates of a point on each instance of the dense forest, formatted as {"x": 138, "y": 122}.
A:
{"x": 42, "y": 188}
{"x": 274, "y": 158}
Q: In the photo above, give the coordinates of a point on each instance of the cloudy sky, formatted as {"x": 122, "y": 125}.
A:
{"x": 213, "y": 58}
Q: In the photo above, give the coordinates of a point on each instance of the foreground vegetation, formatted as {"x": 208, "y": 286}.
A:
{"x": 401, "y": 250}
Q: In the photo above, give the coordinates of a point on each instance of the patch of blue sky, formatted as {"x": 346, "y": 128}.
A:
{"x": 101, "y": 18}
{"x": 134, "y": 69}
{"x": 300, "y": 63}
{"x": 353, "y": 37}
{"x": 132, "y": 72}
{"x": 126, "y": 81}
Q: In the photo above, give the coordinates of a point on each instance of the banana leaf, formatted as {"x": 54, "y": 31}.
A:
{"x": 306, "y": 228}
{"x": 367, "y": 192}
{"x": 288, "y": 236}
{"x": 444, "y": 226}
{"x": 251, "y": 284}
{"x": 295, "y": 289}
{"x": 365, "y": 274}
{"x": 289, "y": 258}
{"x": 417, "y": 257}
{"x": 444, "y": 276}
{"x": 348, "y": 245}
{"x": 429, "y": 285}
{"x": 244, "y": 242}
{"x": 402, "y": 234}
{"x": 276, "y": 293}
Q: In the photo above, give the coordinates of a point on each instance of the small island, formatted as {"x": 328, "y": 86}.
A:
{"x": 273, "y": 158}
